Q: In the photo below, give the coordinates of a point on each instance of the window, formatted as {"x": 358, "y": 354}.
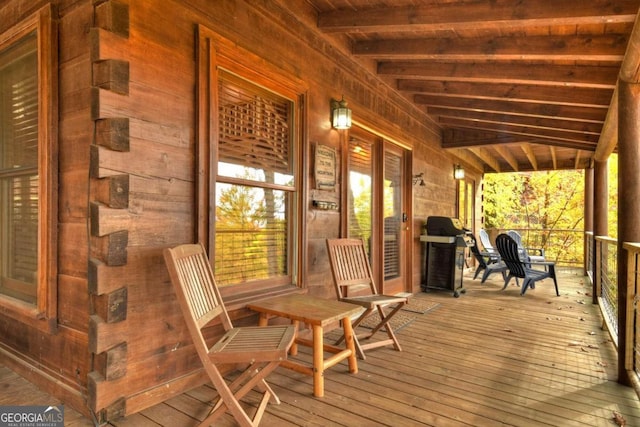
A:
{"x": 249, "y": 151}
{"x": 255, "y": 185}
{"x": 466, "y": 202}
{"x": 360, "y": 196}
{"x": 28, "y": 167}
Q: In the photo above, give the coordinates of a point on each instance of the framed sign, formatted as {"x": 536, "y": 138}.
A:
{"x": 325, "y": 167}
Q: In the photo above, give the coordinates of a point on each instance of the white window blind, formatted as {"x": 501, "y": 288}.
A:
{"x": 19, "y": 182}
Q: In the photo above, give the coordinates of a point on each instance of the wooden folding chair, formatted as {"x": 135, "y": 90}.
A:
{"x": 354, "y": 283}
{"x": 256, "y": 351}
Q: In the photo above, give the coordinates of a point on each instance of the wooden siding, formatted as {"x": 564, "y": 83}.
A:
{"x": 488, "y": 358}
{"x": 127, "y": 182}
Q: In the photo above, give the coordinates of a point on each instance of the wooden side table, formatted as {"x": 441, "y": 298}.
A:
{"x": 318, "y": 313}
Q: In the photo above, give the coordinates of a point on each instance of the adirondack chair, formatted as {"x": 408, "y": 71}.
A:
{"x": 255, "y": 351}
{"x": 487, "y": 246}
{"x": 532, "y": 254}
{"x": 486, "y": 262}
{"x": 354, "y": 283}
{"x": 523, "y": 269}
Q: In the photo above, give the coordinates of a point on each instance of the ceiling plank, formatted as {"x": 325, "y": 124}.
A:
{"x": 516, "y": 119}
{"x": 563, "y": 95}
{"x": 543, "y": 132}
{"x": 568, "y": 112}
{"x": 473, "y": 137}
{"x": 588, "y": 47}
{"x": 572, "y": 141}
{"x": 476, "y": 15}
{"x": 602, "y": 77}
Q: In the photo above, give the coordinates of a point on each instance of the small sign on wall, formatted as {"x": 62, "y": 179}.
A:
{"x": 325, "y": 167}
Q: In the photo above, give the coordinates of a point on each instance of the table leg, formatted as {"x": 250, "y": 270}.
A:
{"x": 350, "y": 344}
{"x": 318, "y": 361}
{"x": 263, "y": 320}
{"x": 294, "y": 347}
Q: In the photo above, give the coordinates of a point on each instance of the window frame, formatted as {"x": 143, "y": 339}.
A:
{"x": 214, "y": 53}
{"x": 43, "y": 313}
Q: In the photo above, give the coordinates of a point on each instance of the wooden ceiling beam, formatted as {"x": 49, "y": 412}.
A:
{"x": 561, "y": 95}
{"x": 545, "y": 137}
{"x": 468, "y": 159}
{"x": 569, "y": 112}
{"x": 457, "y": 138}
{"x": 477, "y": 15}
{"x": 603, "y": 77}
{"x": 507, "y": 156}
{"x": 516, "y": 119}
{"x": 528, "y": 151}
{"x": 472, "y": 137}
{"x": 554, "y": 159}
{"x": 484, "y": 155}
{"x": 519, "y": 129}
{"x": 588, "y": 47}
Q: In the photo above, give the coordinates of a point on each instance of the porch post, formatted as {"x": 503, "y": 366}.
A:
{"x": 588, "y": 224}
{"x": 600, "y": 216}
{"x": 628, "y": 208}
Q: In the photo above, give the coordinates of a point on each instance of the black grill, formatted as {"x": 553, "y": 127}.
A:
{"x": 445, "y": 240}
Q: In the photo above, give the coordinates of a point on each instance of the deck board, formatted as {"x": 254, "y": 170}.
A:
{"x": 488, "y": 358}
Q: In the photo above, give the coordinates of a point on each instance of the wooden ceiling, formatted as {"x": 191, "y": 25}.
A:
{"x": 515, "y": 85}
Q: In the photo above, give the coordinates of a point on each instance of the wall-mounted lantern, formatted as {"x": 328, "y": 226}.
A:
{"x": 458, "y": 172}
{"x": 340, "y": 114}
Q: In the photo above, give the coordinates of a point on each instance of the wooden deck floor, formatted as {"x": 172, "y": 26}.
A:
{"x": 488, "y": 358}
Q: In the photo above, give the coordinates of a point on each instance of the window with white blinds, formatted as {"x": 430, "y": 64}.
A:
{"x": 255, "y": 186}
{"x": 360, "y": 196}
{"x": 19, "y": 180}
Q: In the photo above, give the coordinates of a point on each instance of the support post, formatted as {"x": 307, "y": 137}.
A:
{"x": 628, "y": 224}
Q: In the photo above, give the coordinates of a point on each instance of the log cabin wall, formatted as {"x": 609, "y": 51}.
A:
{"x": 127, "y": 178}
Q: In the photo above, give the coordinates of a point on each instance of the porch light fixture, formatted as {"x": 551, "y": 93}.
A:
{"x": 340, "y": 114}
{"x": 418, "y": 179}
{"x": 458, "y": 172}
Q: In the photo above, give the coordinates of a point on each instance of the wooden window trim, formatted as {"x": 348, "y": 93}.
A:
{"x": 44, "y": 314}
{"x": 216, "y": 52}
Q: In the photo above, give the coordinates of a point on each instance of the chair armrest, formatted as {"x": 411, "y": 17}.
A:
{"x": 540, "y": 251}
{"x": 548, "y": 263}
{"x": 490, "y": 256}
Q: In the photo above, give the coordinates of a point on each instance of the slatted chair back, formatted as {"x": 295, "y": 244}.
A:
{"x": 510, "y": 254}
{"x": 523, "y": 268}
{"x": 486, "y": 241}
{"x": 200, "y": 294}
{"x": 350, "y": 268}
{"x": 530, "y": 254}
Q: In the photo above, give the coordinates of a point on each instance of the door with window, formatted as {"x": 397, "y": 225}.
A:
{"x": 377, "y": 206}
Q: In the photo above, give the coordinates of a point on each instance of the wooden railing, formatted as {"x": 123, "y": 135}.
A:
{"x": 606, "y": 282}
{"x": 632, "y": 362}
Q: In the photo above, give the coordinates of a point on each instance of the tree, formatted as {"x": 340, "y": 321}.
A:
{"x": 547, "y": 207}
